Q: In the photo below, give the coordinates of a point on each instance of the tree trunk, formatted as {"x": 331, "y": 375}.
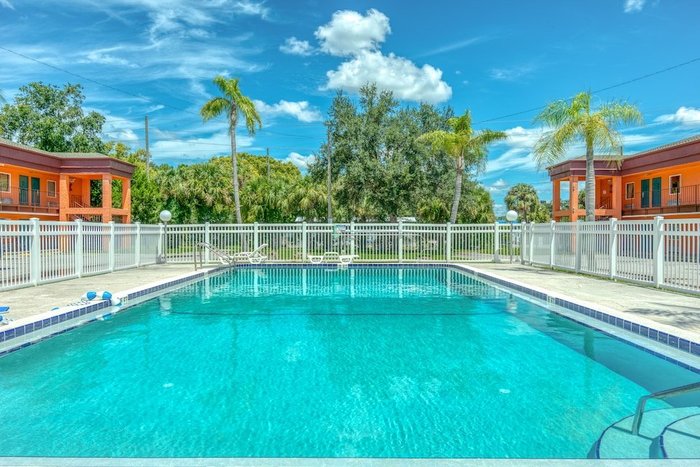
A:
{"x": 590, "y": 184}
{"x": 234, "y": 166}
{"x": 458, "y": 189}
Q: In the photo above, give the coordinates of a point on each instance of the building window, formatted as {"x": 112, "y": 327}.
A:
{"x": 51, "y": 188}
{"x": 4, "y": 182}
{"x": 629, "y": 191}
{"x": 674, "y": 184}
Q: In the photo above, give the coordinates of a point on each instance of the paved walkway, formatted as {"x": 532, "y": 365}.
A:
{"x": 668, "y": 308}
{"x": 35, "y": 300}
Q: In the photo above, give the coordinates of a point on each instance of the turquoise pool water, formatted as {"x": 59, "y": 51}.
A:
{"x": 362, "y": 362}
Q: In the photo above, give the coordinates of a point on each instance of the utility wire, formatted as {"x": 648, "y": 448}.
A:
{"x": 607, "y": 88}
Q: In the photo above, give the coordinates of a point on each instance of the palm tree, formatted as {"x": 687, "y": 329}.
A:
{"x": 523, "y": 198}
{"x": 575, "y": 121}
{"x": 232, "y": 102}
{"x": 465, "y": 145}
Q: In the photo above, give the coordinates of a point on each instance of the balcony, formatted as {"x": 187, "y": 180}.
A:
{"x": 664, "y": 201}
{"x": 25, "y": 200}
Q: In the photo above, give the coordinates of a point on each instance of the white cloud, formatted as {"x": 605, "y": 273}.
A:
{"x": 6, "y": 4}
{"x": 685, "y": 116}
{"x": 349, "y": 32}
{"x": 246, "y": 7}
{"x": 104, "y": 58}
{"x": 511, "y": 74}
{"x": 302, "y": 162}
{"x": 453, "y": 46}
{"x": 197, "y": 147}
{"x": 497, "y": 186}
{"x": 301, "y": 110}
{"x": 396, "y": 74}
{"x": 633, "y": 6}
{"x": 294, "y": 46}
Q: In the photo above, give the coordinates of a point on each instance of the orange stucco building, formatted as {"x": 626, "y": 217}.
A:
{"x": 63, "y": 186}
{"x": 663, "y": 181}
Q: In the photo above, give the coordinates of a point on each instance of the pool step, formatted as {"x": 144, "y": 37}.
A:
{"x": 681, "y": 439}
{"x": 664, "y": 433}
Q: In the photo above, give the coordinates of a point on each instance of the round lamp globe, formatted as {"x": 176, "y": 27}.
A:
{"x": 511, "y": 216}
{"x": 165, "y": 216}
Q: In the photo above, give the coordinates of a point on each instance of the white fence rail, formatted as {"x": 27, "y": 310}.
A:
{"x": 396, "y": 242}
{"x": 34, "y": 252}
{"x": 660, "y": 252}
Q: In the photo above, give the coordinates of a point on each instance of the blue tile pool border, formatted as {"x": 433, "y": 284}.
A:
{"x": 655, "y": 335}
{"x": 80, "y": 311}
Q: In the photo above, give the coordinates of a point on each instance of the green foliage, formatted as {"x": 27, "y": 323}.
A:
{"x": 231, "y": 103}
{"x": 523, "y": 199}
{"x": 466, "y": 146}
{"x": 576, "y": 121}
{"x": 52, "y": 118}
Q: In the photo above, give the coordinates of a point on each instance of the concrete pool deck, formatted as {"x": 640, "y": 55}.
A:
{"x": 32, "y": 301}
{"x": 634, "y": 302}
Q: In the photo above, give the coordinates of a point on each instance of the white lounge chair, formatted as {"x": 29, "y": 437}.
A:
{"x": 253, "y": 257}
{"x": 326, "y": 257}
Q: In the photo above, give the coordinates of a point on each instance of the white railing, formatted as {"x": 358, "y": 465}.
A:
{"x": 661, "y": 252}
{"x": 397, "y": 242}
{"x": 35, "y": 252}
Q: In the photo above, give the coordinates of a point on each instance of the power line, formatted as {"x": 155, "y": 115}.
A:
{"x": 607, "y": 88}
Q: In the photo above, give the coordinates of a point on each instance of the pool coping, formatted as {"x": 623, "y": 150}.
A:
{"x": 670, "y": 336}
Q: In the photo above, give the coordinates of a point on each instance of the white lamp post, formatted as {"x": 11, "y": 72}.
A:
{"x": 511, "y": 216}
{"x": 165, "y": 217}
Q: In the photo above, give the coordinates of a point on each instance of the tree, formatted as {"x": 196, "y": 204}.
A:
{"x": 576, "y": 121}
{"x": 466, "y": 146}
{"x": 523, "y": 199}
{"x": 52, "y": 118}
{"x": 232, "y": 103}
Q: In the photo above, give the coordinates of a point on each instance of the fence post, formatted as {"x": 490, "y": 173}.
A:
{"x": 659, "y": 253}
{"x": 161, "y": 243}
{"x": 552, "y": 240}
{"x": 79, "y": 247}
{"x": 111, "y": 246}
{"x": 256, "y": 236}
{"x": 352, "y": 237}
{"x": 35, "y": 253}
{"x": 613, "y": 248}
{"x": 577, "y": 246}
{"x": 400, "y": 241}
{"x": 531, "y": 249}
{"x": 304, "y": 241}
{"x": 496, "y": 243}
{"x": 207, "y": 239}
{"x": 137, "y": 247}
{"x": 448, "y": 242}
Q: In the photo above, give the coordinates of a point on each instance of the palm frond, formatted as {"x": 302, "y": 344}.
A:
{"x": 551, "y": 146}
{"x": 214, "y": 107}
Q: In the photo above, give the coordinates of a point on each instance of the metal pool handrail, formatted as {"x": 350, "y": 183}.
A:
{"x": 222, "y": 255}
{"x": 639, "y": 413}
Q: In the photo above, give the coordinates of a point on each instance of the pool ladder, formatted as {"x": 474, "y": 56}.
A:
{"x": 639, "y": 413}
{"x": 223, "y": 257}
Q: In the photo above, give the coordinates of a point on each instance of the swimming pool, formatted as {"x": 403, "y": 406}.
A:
{"x": 378, "y": 362}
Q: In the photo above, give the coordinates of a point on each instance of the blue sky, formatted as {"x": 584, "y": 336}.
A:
{"x": 495, "y": 58}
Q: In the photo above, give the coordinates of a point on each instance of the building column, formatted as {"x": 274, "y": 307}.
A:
{"x": 573, "y": 198}
{"x": 616, "y": 195}
{"x": 556, "y": 197}
{"x": 106, "y": 197}
{"x": 63, "y": 197}
{"x": 85, "y": 192}
{"x": 126, "y": 199}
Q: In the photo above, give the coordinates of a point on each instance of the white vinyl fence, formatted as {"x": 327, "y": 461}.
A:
{"x": 35, "y": 252}
{"x": 398, "y": 242}
{"x": 660, "y": 252}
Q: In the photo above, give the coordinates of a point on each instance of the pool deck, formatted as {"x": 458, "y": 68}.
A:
{"x": 635, "y": 303}
{"x": 32, "y": 301}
